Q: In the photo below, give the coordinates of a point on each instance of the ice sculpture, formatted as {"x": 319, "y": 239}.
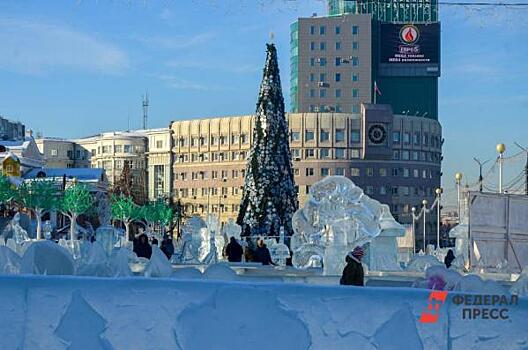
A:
{"x": 47, "y": 229}
{"x": 212, "y": 256}
{"x": 184, "y": 252}
{"x": 421, "y": 262}
{"x": 232, "y": 229}
{"x": 342, "y": 214}
{"x": 382, "y": 252}
{"x": 106, "y": 233}
{"x": 107, "y": 237}
{"x": 193, "y": 227}
{"x": 14, "y": 230}
{"x": 159, "y": 265}
{"x": 96, "y": 262}
{"x": 47, "y": 258}
{"x": 9, "y": 261}
{"x": 210, "y": 233}
{"x": 461, "y": 234}
{"x": 520, "y": 287}
{"x": 279, "y": 251}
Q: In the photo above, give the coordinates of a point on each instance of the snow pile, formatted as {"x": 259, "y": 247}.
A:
{"x": 119, "y": 262}
{"x": 220, "y": 271}
{"x": 96, "y": 262}
{"x": 159, "y": 265}
{"x": 47, "y": 258}
{"x": 9, "y": 261}
{"x": 138, "y": 313}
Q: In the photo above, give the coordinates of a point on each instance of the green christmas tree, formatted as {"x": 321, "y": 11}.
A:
{"x": 77, "y": 200}
{"x": 125, "y": 210}
{"x": 269, "y": 199}
{"x": 39, "y": 196}
{"x": 7, "y": 190}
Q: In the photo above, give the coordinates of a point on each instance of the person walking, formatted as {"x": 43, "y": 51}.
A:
{"x": 167, "y": 247}
{"x": 234, "y": 251}
{"x": 262, "y": 254}
{"x": 353, "y": 273}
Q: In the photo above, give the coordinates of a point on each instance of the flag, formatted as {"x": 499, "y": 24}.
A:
{"x": 376, "y": 89}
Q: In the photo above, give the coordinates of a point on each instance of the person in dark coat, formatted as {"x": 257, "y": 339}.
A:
{"x": 167, "y": 247}
{"x": 448, "y": 260}
{"x": 262, "y": 254}
{"x": 353, "y": 272}
{"x": 142, "y": 247}
{"x": 234, "y": 251}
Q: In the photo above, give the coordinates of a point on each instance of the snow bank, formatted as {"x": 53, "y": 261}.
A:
{"x": 106, "y": 313}
{"x": 47, "y": 258}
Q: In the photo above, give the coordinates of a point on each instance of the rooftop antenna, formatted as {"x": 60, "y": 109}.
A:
{"x": 272, "y": 36}
{"x": 145, "y": 110}
{"x": 128, "y": 121}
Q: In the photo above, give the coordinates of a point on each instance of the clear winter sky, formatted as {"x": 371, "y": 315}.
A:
{"x": 74, "y": 68}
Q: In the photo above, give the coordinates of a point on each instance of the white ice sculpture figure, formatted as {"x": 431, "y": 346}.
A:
{"x": 73, "y": 247}
{"x": 232, "y": 229}
{"x": 213, "y": 230}
{"x": 184, "y": 252}
{"x": 279, "y": 251}
{"x": 47, "y": 229}
{"x": 119, "y": 262}
{"x": 96, "y": 263}
{"x": 108, "y": 237}
{"x": 159, "y": 265}
{"x": 421, "y": 262}
{"x": 15, "y": 231}
{"x": 212, "y": 256}
{"x": 382, "y": 251}
{"x": 11, "y": 244}
{"x": 461, "y": 234}
{"x": 193, "y": 227}
{"x": 347, "y": 216}
{"x": 47, "y": 258}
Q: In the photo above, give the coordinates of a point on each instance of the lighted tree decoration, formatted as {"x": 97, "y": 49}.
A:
{"x": 7, "y": 191}
{"x": 157, "y": 213}
{"x": 40, "y": 196}
{"x": 76, "y": 201}
{"x": 125, "y": 210}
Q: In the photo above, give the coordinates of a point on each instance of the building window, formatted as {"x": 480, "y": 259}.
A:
{"x": 415, "y": 155}
{"x": 338, "y": 77}
{"x": 295, "y": 136}
{"x": 355, "y": 108}
{"x": 324, "y": 135}
{"x": 312, "y": 77}
{"x": 355, "y": 61}
{"x": 338, "y": 61}
{"x": 309, "y": 171}
{"x": 369, "y": 190}
{"x": 416, "y": 173}
{"x": 383, "y": 190}
{"x": 340, "y": 171}
{"x": 395, "y": 172}
{"x": 354, "y": 172}
{"x": 354, "y": 153}
{"x": 234, "y": 139}
{"x": 383, "y": 172}
{"x": 355, "y": 93}
{"x": 406, "y": 137}
{"x": 322, "y": 77}
{"x": 416, "y": 139}
{"x": 405, "y": 172}
{"x": 338, "y": 45}
{"x": 54, "y": 152}
{"x": 340, "y": 153}
{"x": 424, "y": 174}
{"x": 119, "y": 148}
{"x": 322, "y": 62}
{"x": 355, "y": 136}
{"x": 338, "y": 30}
{"x": 340, "y": 135}
{"x": 370, "y": 172}
{"x": 312, "y": 46}
{"x": 159, "y": 180}
{"x": 312, "y": 93}
{"x": 312, "y": 30}
{"x": 324, "y": 153}
{"x": 312, "y": 61}
{"x": 338, "y": 106}
{"x": 355, "y": 30}
{"x": 325, "y": 172}
{"x": 396, "y": 137}
{"x": 405, "y": 155}
{"x": 355, "y": 45}
{"x": 322, "y": 30}
{"x": 338, "y": 93}
{"x": 322, "y": 93}
{"x": 309, "y": 153}
{"x": 296, "y": 154}
{"x": 355, "y": 77}
{"x": 296, "y": 171}
{"x": 309, "y": 135}
{"x": 107, "y": 149}
{"x": 322, "y": 46}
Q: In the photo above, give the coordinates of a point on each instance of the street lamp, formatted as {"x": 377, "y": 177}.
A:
{"x": 439, "y": 196}
{"x": 501, "y": 148}
{"x": 481, "y": 164}
{"x": 458, "y": 179}
{"x": 424, "y": 203}
{"x": 413, "y": 209}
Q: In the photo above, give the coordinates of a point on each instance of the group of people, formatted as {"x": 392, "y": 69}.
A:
{"x": 143, "y": 248}
{"x": 261, "y": 254}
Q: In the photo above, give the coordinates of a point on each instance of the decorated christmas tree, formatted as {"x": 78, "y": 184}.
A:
{"x": 270, "y": 196}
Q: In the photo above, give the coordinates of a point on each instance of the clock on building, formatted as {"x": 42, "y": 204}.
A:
{"x": 377, "y": 134}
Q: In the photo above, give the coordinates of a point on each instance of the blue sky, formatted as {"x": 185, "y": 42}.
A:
{"x": 75, "y": 68}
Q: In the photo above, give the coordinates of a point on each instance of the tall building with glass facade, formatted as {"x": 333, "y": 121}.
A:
{"x": 336, "y": 60}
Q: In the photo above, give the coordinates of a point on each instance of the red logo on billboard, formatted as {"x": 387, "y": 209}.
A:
{"x": 409, "y": 34}
{"x": 436, "y": 299}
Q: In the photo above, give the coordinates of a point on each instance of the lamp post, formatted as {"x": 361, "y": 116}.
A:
{"x": 458, "y": 179}
{"x": 413, "y": 210}
{"x": 424, "y": 203}
{"x": 481, "y": 164}
{"x": 501, "y": 148}
{"x": 439, "y": 197}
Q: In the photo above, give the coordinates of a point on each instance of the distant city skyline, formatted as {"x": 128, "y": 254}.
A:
{"x": 77, "y": 68}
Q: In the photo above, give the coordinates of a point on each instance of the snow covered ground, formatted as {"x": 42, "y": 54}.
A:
{"x": 65, "y": 312}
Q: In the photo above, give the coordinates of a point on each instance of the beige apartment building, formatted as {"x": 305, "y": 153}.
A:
{"x": 394, "y": 158}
